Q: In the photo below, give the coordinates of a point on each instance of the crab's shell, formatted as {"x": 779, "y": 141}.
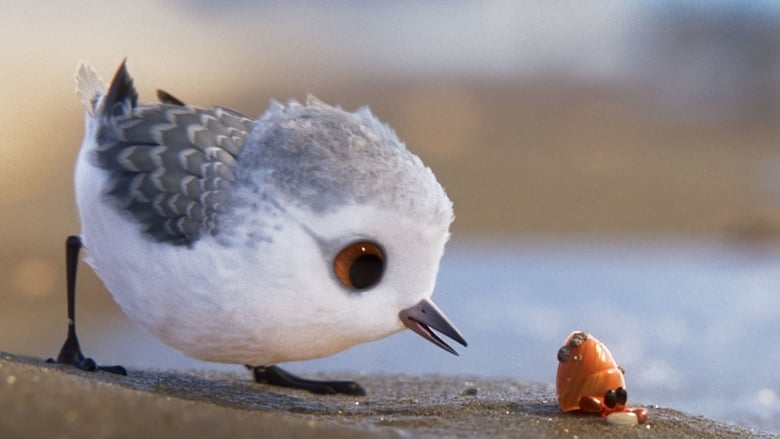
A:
{"x": 589, "y": 371}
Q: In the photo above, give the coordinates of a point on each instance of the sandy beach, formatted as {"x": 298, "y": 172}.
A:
{"x": 45, "y": 400}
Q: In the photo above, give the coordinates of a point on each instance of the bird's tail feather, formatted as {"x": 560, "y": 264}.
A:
{"x": 89, "y": 86}
{"x": 121, "y": 91}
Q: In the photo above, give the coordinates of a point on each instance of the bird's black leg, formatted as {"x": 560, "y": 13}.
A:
{"x": 71, "y": 351}
{"x": 278, "y": 377}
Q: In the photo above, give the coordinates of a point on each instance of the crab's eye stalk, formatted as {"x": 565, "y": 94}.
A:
{"x": 360, "y": 265}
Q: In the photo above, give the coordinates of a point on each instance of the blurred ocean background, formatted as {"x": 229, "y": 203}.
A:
{"x": 615, "y": 167}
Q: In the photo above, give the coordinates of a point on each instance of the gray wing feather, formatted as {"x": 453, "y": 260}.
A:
{"x": 171, "y": 165}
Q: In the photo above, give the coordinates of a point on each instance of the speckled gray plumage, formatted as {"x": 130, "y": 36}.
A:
{"x": 171, "y": 165}
{"x": 321, "y": 157}
{"x": 177, "y": 169}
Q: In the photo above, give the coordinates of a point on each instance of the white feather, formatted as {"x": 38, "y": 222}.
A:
{"x": 89, "y": 87}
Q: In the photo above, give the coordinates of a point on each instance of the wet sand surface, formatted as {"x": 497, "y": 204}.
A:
{"x": 38, "y": 399}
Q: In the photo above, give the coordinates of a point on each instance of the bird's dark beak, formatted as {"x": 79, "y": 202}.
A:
{"x": 423, "y": 317}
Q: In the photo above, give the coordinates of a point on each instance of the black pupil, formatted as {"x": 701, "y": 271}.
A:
{"x": 366, "y": 271}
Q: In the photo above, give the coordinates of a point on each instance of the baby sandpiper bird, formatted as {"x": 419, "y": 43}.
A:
{"x": 255, "y": 242}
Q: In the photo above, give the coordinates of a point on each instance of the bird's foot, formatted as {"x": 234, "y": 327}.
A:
{"x": 277, "y": 376}
{"x": 71, "y": 351}
{"x": 70, "y": 354}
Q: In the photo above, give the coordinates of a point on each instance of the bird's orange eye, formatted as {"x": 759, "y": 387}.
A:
{"x": 360, "y": 265}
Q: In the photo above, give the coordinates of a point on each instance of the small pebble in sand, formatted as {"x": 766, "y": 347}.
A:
{"x": 469, "y": 391}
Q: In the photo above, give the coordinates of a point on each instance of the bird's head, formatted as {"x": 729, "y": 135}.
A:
{"x": 372, "y": 218}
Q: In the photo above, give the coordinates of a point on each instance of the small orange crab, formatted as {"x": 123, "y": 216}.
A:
{"x": 590, "y": 381}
